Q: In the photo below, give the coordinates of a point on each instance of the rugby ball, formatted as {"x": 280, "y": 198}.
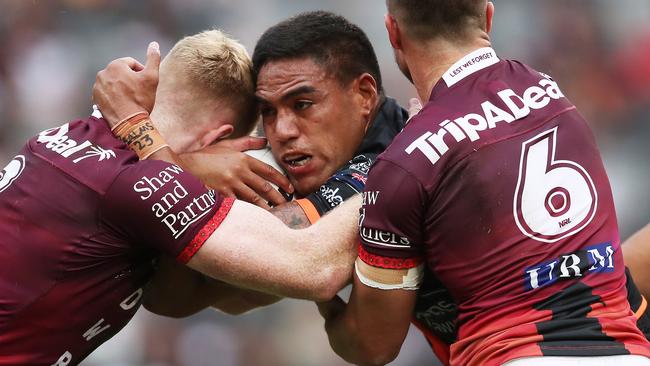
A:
{"x": 265, "y": 156}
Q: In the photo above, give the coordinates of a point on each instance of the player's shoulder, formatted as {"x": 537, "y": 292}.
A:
{"x": 486, "y": 107}
{"x": 411, "y": 152}
{"x": 84, "y": 150}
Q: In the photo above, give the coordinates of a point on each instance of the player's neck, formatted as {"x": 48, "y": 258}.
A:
{"x": 166, "y": 120}
{"x": 429, "y": 63}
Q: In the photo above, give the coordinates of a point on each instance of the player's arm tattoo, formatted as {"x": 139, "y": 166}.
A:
{"x": 292, "y": 215}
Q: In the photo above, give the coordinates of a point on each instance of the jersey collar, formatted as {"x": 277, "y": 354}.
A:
{"x": 471, "y": 63}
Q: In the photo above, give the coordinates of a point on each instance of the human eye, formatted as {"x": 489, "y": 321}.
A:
{"x": 267, "y": 111}
{"x": 301, "y": 105}
{"x": 268, "y": 114}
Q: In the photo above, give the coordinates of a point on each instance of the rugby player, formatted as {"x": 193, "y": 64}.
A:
{"x": 83, "y": 221}
{"x": 290, "y": 43}
{"x": 496, "y": 190}
{"x": 333, "y": 116}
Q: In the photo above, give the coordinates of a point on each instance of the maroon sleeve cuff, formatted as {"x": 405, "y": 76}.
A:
{"x": 206, "y": 231}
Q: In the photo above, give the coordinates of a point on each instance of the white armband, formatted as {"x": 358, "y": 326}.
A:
{"x": 389, "y": 279}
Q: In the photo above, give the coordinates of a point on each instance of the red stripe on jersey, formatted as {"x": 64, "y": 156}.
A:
{"x": 206, "y": 231}
{"x": 439, "y": 348}
{"x": 615, "y": 319}
{"x": 387, "y": 262}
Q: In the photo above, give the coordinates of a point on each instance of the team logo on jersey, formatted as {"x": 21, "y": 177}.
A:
{"x": 11, "y": 172}
{"x": 173, "y": 206}
{"x": 361, "y": 163}
{"x": 434, "y": 145}
{"x": 594, "y": 259}
{"x": 57, "y": 140}
{"x": 331, "y": 195}
{"x": 96, "y": 151}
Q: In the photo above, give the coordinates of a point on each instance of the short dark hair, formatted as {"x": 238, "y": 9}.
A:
{"x": 429, "y": 19}
{"x": 328, "y": 39}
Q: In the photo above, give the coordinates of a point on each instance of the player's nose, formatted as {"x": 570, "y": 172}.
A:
{"x": 286, "y": 126}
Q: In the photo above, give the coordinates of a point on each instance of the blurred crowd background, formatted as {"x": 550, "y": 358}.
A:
{"x": 50, "y": 51}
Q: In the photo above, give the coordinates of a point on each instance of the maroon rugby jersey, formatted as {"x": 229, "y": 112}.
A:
{"x": 498, "y": 185}
{"x": 81, "y": 224}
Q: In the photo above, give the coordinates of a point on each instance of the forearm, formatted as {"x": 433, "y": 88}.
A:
{"x": 371, "y": 328}
{"x": 240, "y": 300}
{"x": 178, "y": 291}
{"x": 255, "y": 250}
{"x": 292, "y": 215}
{"x": 237, "y": 300}
{"x": 341, "y": 331}
{"x": 636, "y": 252}
{"x": 175, "y": 291}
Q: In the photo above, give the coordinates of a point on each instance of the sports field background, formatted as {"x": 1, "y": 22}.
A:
{"x": 50, "y": 51}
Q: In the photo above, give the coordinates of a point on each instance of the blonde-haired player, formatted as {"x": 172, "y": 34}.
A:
{"x": 205, "y": 93}
{"x": 83, "y": 221}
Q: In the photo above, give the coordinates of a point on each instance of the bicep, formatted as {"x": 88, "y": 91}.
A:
{"x": 391, "y": 228}
{"x": 390, "y": 265}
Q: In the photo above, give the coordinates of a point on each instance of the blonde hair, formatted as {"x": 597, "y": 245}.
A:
{"x": 219, "y": 66}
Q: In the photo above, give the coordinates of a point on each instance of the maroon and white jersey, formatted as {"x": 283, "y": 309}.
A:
{"x": 81, "y": 224}
{"x": 498, "y": 188}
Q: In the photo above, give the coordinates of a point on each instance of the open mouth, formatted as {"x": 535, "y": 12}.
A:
{"x": 297, "y": 161}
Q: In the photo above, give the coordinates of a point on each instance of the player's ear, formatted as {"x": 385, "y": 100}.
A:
{"x": 368, "y": 94}
{"x": 489, "y": 15}
{"x": 216, "y": 134}
{"x": 394, "y": 33}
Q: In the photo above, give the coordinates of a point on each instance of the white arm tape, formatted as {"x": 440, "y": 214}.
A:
{"x": 389, "y": 279}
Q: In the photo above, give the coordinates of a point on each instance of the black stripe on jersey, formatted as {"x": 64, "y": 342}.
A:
{"x": 635, "y": 299}
{"x": 570, "y": 332}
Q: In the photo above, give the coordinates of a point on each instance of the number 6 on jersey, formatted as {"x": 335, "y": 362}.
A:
{"x": 554, "y": 199}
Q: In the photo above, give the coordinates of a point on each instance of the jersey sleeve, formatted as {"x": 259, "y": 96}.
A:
{"x": 345, "y": 183}
{"x": 391, "y": 251}
{"x": 157, "y": 204}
